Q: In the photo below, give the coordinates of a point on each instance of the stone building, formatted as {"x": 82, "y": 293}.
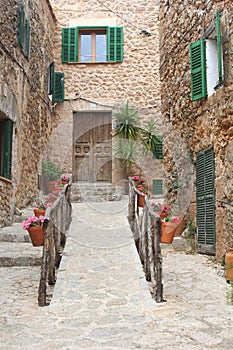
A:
{"x": 109, "y": 54}
{"x": 196, "y": 45}
{"x": 26, "y": 115}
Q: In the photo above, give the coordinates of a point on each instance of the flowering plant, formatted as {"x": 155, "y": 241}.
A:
{"x": 142, "y": 189}
{"x": 43, "y": 206}
{"x": 174, "y": 220}
{"x": 64, "y": 178}
{"x": 135, "y": 178}
{"x": 158, "y": 207}
{"x": 33, "y": 221}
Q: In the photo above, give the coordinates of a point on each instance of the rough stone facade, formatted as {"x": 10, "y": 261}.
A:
{"x": 24, "y": 99}
{"x": 204, "y": 122}
{"x": 99, "y": 86}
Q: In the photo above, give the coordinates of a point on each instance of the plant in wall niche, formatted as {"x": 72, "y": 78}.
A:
{"x": 51, "y": 171}
{"x": 51, "y": 175}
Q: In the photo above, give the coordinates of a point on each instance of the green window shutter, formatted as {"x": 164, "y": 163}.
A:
{"x": 7, "y": 148}
{"x": 51, "y": 78}
{"x": 115, "y": 44}
{"x": 21, "y": 25}
{"x": 158, "y": 154}
{"x": 58, "y": 87}
{"x": 157, "y": 186}
{"x": 70, "y": 44}
{"x": 198, "y": 70}
{"x": 219, "y": 47}
{"x": 27, "y": 39}
{"x": 205, "y": 195}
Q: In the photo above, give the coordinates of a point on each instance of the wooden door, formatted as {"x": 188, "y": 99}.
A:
{"x": 92, "y": 140}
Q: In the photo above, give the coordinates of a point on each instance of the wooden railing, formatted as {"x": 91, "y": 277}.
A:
{"x": 146, "y": 228}
{"x": 56, "y": 225}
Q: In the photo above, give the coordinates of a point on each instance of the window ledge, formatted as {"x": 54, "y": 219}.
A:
{"x": 4, "y": 179}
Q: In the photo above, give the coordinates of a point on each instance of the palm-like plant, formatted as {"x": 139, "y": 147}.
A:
{"x": 126, "y": 122}
{"x": 131, "y": 137}
{"x": 150, "y": 138}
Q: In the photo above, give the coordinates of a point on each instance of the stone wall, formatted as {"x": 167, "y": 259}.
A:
{"x": 109, "y": 85}
{"x": 204, "y": 122}
{"x": 24, "y": 99}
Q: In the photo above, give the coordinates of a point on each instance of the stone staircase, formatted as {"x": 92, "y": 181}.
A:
{"x": 16, "y": 248}
{"x": 94, "y": 192}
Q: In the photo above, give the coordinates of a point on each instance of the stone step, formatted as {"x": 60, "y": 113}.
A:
{"x": 20, "y": 254}
{"x": 14, "y": 233}
{"x": 93, "y": 192}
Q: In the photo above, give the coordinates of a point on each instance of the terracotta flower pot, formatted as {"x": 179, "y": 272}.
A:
{"x": 162, "y": 215}
{"x": 37, "y": 235}
{"x": 168, "y": 232}
{"x": 39, "y": 212}
{"x": 141, "y": 201}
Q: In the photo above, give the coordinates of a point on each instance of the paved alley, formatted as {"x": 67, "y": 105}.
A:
{"x": 101, "y": 300}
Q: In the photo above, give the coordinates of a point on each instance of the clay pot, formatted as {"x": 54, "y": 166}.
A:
{"x": 168, "y": 232}
{"x": 39, "y": 212}
{"x": 37, "y": 235}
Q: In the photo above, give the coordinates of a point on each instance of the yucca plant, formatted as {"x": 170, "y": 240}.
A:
{"x": 126, "y": 122}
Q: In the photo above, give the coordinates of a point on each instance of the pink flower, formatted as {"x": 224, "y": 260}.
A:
{"x": 152, "y": 205}
{"x": 175, "y": 220}
{"x": 140, "y": 187}
{"x": 135, "y": 177}
{"x": 165, "y": 209}
{"x": 33, "y": 221}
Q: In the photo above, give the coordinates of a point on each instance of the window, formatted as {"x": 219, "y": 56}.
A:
{"x": 158, "y": 154}
{"x": 6, "y": 130}
{"x": 24, "y": 33}
{"x": 58, "y": 87}
{"x": 92, "y": 46}
{"x": 55, "y": 84}
{"x": 157, "y": 186}
{"x": 81, "y": 44}
{"x": 206, "y": 62}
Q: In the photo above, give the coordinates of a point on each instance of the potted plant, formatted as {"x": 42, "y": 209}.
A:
{"x": 65, "y": 179}
{"x": 40, "y": 209}
{"x": 168, "y": 228}
{"x": 141, "y": 198}
{"x": 51, "y": 174}
{"x": 160, "y": 209}
{"x": 34, "y": 226}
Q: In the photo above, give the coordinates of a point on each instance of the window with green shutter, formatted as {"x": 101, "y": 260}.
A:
{"x": 70, "y": 44}
{"x": 198, "y": 69}
{"x": 58, "y": 87}
{"x": 92, "y": 44}
{"x": 157, "y": 186}
{"x": 6, "y": 130}
{"x": 206, "y": 62}
{"x": 51, "y": 78}
{"x": 115, "y": 44}
{"x": 205, "y": 201}
{"x": 24, "y": 32}
{"x": 158, "y": 154}
{"x": 219, "y": 48}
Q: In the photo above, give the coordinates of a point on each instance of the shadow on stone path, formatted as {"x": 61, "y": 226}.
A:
{"x": 101, "y": 300}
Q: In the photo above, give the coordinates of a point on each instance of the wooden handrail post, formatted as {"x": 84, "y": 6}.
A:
{"x": 146, "y": 228}
{"x": 56, "y": 225}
